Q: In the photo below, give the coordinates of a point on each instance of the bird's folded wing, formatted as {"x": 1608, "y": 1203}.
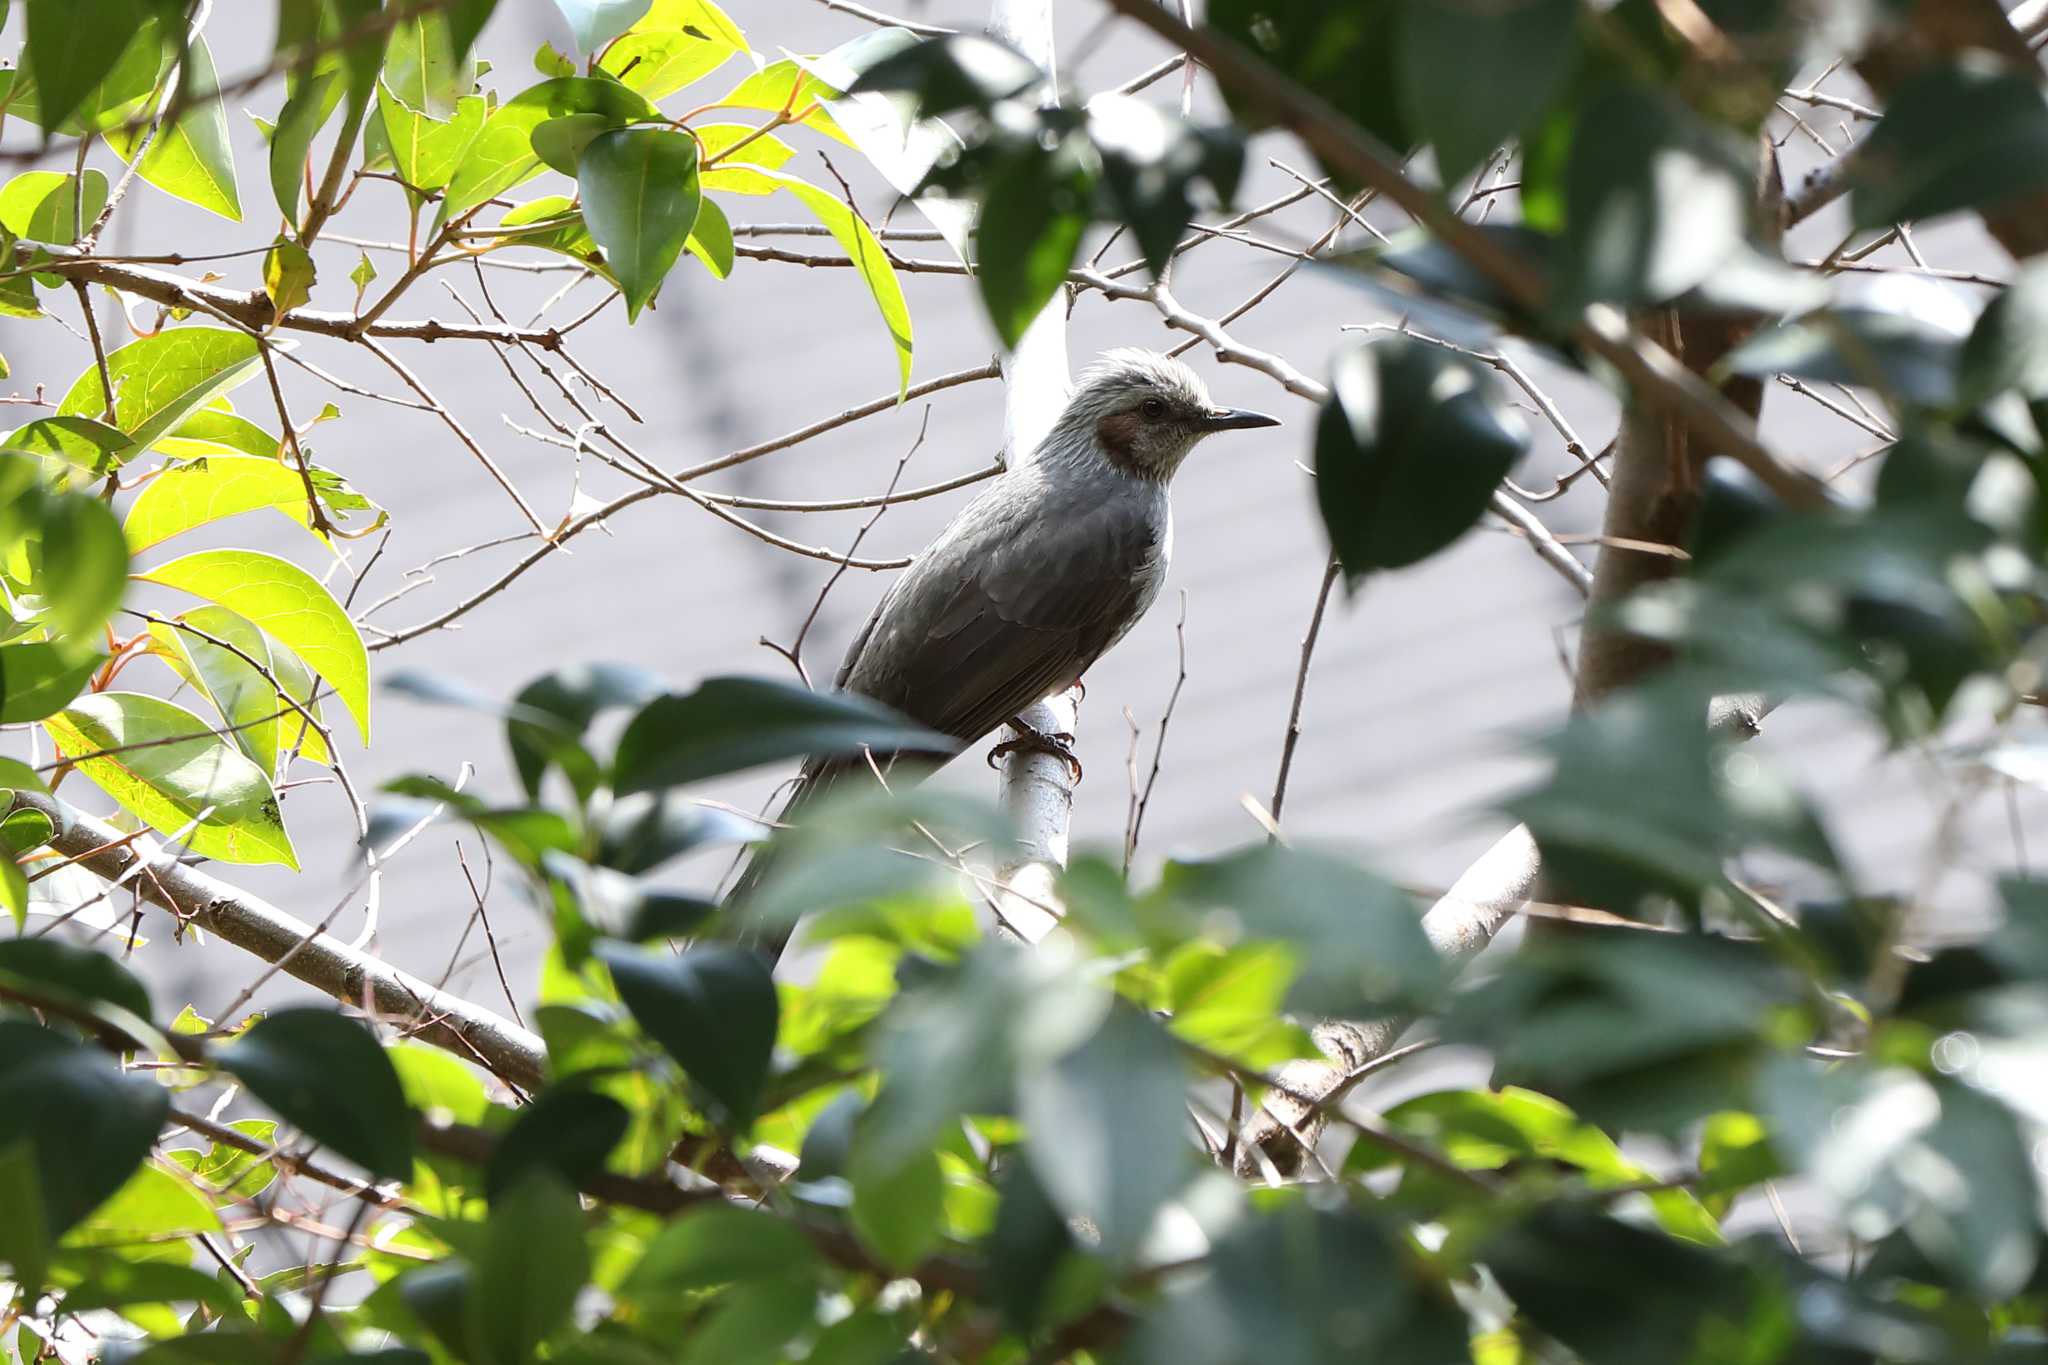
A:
{"x": 990, "y": 624}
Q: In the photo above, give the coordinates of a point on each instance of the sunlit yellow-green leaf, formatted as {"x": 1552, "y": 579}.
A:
{"x": 161, "y": 380}
{"x": 202, "y": 646}
{"x": 167, "y": 766}
{"x": 290, "y": 606}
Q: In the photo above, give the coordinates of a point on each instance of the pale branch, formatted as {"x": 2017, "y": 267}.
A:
{"x": 1036, "y": 790}
{"x": 253, "y": 309}
{"x": 319, "y": 960}
{"x": 1547, "y": 546}
{"x": 597, "y": 516}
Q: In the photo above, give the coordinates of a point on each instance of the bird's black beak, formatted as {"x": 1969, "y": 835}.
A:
{"x": 1233, "y": 419}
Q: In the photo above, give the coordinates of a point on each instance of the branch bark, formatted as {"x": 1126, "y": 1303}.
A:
{"x": 252, "y": 308}
{"x": 320, "y": 960}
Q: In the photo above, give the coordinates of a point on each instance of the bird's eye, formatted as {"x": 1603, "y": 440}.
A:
{"x": 1153, "y": 408}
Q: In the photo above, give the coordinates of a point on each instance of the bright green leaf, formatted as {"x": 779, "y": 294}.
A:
{"x": 532, "y": 1266}
{"x": 640, "y": 199}
{"x": 502, "y": 155}
{"x": 161, "y": 380}
{"x": 288, "y": 604}
{"x": 165, "y": 764}
{"x": 194, "y": 158}
{"x": 43, "y": 206}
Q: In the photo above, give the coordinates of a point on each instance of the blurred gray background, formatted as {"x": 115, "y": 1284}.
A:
{"x": 1425, "y": 686}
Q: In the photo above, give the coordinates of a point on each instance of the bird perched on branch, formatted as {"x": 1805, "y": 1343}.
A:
{"x": 1037, "y": 577}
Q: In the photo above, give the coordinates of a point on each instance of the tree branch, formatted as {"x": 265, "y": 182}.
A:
{"x": 319, "y": 960}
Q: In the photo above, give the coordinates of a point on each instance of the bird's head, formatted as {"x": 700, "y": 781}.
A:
{"x": 1144, "y": 412}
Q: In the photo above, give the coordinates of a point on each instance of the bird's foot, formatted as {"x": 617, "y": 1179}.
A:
{"x": 1031, "y": 739}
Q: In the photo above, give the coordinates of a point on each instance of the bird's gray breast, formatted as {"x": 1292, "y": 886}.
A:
{"x": 1025, "y": 590}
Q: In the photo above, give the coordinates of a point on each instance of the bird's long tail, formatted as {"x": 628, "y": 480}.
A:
{"x": 816, "y": 780}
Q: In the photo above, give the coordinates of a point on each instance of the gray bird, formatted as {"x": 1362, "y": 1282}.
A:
{"x": 1037, "y": 577}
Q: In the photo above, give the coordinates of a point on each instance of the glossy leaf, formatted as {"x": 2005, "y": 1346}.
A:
{"x": 732, "y": 724}
{"x": 205, "y": 490}
{"x": 1106, "y": 1131}
{"x": 289, "y": 605}
{"x": 72, "y": 46}
{"x": 325, "y": 1074}
{"x": 531, "y": 1268}
{"x": 1474, "y": 74}
{"x": 308, "y": 106}
{"x": 502, "y": 155}
{"x": 161, "y": 380}
{"x": 82, "y": 973}
{"x": 1029, "y": 229}
{"x": 711, "y": 1008}
{"x": 1967, "y": 134}
{"x": 561, "y": 705}
{"x": 1409, "y": 451}
{"x": 164, "y": 764}
{"x": 266, "y": 726}
{"x": 640, "y": 199}
{"x": 87, "y": 1122}
{"x": 711, "y": 239}
{"x": 1655, "y": 199}
{"x": 566, "y": 1131}
{"x": 194, "y": 158}
{"x": 427, "y": 152}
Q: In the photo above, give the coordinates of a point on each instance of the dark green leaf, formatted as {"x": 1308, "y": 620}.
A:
{"x": 72, "y": 46}
{"x": 1630, "y": 1029}
{"x": 1476, "y": 72}
{"x": 899, "y": 1210}
{"x": 532, "y": 1266}
{"x": 731, "y": 724}
{"x": 1970, "y": 134}
{"x": 326, "y": 1074}
{"x": 87, "y": 1121}
{"x": 1409, "y": 451}
{"x": 1675, "y": 1296}
{"x": 1304, "y": 1286}
{"x": 1107, "y": 1134}
{"x": 80, "y": 973}
{"x": 502, "y": 155}
{"x": 711, "y": 1008}
{"x": 39, "y": 679}
{"x": 567, "y": 1131}
{"x": 1030, "y": 224}
{"x": 1895, "y": 352}
{"x": 1150, "y": 163}
{"x": 640, "y": 199}
{"x": 570, "y": 699}
{"x": 957, "y": 71}
{"x": 1028, "y": 1243}
{"x": 1346, "y": 51}
{"x": 639, "y": 833}
{"x": 1625, "y": 816}
{"x": 1655, "y": 198}
{"x": 24, "y": 1238}
{"x": 305, "y": 112}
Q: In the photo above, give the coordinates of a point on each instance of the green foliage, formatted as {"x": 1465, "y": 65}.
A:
{"x": 1008, "y": 1154}
{"x": 1409, "y": 450}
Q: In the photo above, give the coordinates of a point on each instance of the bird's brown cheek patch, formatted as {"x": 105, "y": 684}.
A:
{"x": 1118, "y": 434}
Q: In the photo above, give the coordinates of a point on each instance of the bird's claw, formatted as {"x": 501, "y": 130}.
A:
{"x": 1031, "y": 739}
